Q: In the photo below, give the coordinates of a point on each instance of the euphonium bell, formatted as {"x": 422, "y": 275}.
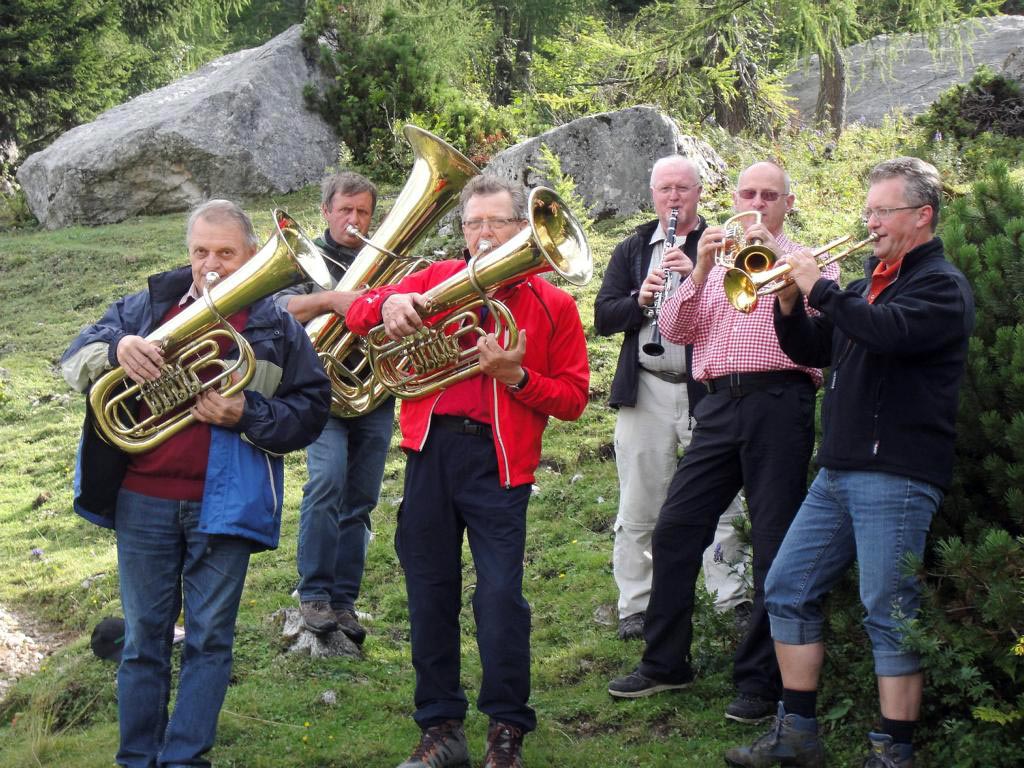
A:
{"x": 432, "y": 358}
{"x": 190, "y": 345}
{"x": 438, "y": 174}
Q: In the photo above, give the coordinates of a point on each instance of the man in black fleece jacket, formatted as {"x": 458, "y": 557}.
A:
{"x": 896, "y": 342}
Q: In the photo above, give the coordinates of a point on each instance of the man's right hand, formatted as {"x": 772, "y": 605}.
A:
{"x": 711, "y": 242}
{"x": 340, "y": 301}
{"x": 653, "y": 285}
{"x": 402, "y": 313}
{"x": 139, "y": 358}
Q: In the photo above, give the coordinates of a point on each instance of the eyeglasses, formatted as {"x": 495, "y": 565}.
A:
{"x": 768, "y": 195}
{"x": 670, "y": 188}
{"x": 884, "y": 214}
{"x": 475, "y": 225}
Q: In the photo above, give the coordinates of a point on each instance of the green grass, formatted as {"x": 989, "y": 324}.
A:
{"x": 53, "y": 283}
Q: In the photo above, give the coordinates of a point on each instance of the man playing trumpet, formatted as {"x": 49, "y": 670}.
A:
{"x": 189, "y": 512}
{"x": 896, "y": 342}
{"x": 755, "y": 430}
{"x": 472, "y": 451}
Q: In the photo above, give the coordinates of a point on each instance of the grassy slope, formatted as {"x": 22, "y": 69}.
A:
{"x": 53, "y": 283}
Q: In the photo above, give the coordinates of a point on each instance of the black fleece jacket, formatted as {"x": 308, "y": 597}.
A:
{"x": 892, "y": 394}
{"x": 616, "y": 309}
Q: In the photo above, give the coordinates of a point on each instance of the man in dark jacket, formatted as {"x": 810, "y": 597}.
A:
{"x": 346, "y": 463}
{"x": 897, "y": 345}
{"x": 655, "y": 396}
{"x": 188, "y": 512}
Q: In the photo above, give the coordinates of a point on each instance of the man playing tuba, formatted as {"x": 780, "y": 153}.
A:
{"x": 472, "y": 451}
{"x": 188, "y": 513}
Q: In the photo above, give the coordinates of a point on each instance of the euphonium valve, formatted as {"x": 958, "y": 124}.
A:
{"x": 749, "y": 255}
{"x": 190, "y": 344}
{"x": 435, "y": 357}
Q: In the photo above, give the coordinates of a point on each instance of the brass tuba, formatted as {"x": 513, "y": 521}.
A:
{"x": 439, "y": 173}
{"x": 190, "y": 344}
{"x": 433, "y": 358}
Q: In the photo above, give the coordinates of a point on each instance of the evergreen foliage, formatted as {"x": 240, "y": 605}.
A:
{"x": 989, "y": 102}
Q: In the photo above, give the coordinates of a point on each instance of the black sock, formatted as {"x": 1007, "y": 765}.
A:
{"x": 902, "y": 731}
{"x": 801, "y": 703}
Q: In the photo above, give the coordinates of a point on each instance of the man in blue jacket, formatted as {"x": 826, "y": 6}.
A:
{"x": 188, "y": 513}
{"x": 896, "y": 342}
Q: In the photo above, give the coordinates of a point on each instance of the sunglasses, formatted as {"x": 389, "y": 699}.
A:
{"x": 768, "y": 195}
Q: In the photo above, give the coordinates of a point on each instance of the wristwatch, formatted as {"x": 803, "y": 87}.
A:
{"x": 521, "y": 385}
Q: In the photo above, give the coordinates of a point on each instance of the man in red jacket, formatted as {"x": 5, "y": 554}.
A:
{"x": 472, "y": 451}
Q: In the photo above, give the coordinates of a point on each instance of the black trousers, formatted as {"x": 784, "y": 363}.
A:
{"x": 760, "y": 441}
{"x": 452, "y": 489}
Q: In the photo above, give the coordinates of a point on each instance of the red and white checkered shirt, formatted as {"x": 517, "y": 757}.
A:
{"x": 724, "y": 340}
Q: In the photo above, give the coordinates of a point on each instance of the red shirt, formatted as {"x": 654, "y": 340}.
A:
{"x": 883, "y": 276}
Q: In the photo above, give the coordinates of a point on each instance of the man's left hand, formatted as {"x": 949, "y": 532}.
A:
{"x": 674, "y": 260}
{"x": 505, "y": 365}
{"x": 211, "y": 407}
{"x": 805, "y": 272}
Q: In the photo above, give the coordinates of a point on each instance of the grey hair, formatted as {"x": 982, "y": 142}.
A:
{"x": 346, "y": 183}
{"x": 922, "y": 183}
{"x": 673, "y": 159}
{"x": 489, "y": 184}
{"x": 220, "y": 211}
{"x": 785, "y": 175}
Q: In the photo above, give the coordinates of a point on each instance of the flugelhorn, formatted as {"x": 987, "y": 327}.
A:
{"x": 743, "y": 288}
{"x": 438, "y": 174}
{"x": 190, "y": 345}
{"x": 433, "y": 358}
{"x": 654, "y": 347}
{"x": 750, "y": 255}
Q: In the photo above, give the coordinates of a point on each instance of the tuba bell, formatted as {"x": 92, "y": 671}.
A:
{"x": 438, "y": 175}
{"x": 190, "y": 345}
{"x": 433, "y": 358}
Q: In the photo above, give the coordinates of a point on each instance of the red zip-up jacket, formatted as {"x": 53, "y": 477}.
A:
{"x": 556, "y": 359}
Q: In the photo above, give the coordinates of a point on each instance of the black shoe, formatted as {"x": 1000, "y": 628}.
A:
{"x": 885, "y": 754}
{"x": 792, "y": 741}
{"x": 741, "y": 618}
{"x": 634, "y": 686}
{"x": 349, "y": 624}
{"x": 504, "y": 746}
{"x": 748, "y": 708}
{"x": 441, "y": 746}
{"x": 632, "y": 627}
{"x": 317, "y": 616}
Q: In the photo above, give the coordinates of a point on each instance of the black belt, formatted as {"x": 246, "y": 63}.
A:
{"x": 671, "y": 378}
{"x": 463, "y": 426}
{"x": 740, "y": 384}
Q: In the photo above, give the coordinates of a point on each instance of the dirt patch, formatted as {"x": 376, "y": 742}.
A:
{"x": 24, "y": 646}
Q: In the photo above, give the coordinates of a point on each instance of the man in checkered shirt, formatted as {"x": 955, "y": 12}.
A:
{"x": 755, "y": 431}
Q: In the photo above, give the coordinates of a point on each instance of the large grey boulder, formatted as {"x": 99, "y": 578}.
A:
{"x": 898, "y": 73}
{"x": 609, "y": 156}
{"x": 1013, "y": 65}
{"x": 235, "y": 127}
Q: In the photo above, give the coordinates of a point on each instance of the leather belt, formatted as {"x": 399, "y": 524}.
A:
{"x": 671, "y": 378}
{"x": 740, "y": 384}
{"x": 462, "y": 426}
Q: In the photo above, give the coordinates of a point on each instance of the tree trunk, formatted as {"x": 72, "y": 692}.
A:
{"x": 831, "y": 106}
{"x": 734, "y": 114}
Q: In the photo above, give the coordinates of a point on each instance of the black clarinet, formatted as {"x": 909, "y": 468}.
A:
{"x": 654, "y": 346}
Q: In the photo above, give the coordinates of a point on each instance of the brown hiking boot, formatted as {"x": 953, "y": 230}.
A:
{"x": 317, "y": 616}
{"x": 792, "y": 741}
{"x": 504, "y": 746}
{"x": 441, "y": 746}
{"x": 349, "y": 624}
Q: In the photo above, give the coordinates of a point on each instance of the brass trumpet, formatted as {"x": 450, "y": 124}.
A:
{"x": 190, "y": 344}
{"x": 743, "y": 288}
{"x": 432, "y": 359}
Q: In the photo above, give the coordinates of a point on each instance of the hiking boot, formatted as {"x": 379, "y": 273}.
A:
{"x": 349, "y": 624}
{"x": 748, "y": 708}
{"x": 317, "y": 616}
{"x": 632, "y": 627}
{"x": 635, "y": 685}
{"x": 885, "y": 754}
{"x": 792, "y": 741}
{"x": 741, "y": 618}
{"x": 441, "y": 746}
{"x": 504, "y": 746}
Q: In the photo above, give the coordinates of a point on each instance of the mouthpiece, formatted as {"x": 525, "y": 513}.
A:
{"x": 483, "y": 245}
{"x": 210, "y": 278}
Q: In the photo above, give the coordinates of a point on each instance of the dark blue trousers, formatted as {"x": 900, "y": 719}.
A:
{"x": 760, "y": 442}
{"x": 451, "y": 487}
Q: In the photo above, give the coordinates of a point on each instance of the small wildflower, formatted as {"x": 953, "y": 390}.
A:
{"x": 306, "y": 724}
{"x": 1018, "y": 649}
{"x": 574, "y": 541}
{"x": 37, "y": 552}
{"x": 561, "y": 575}
{"x": 305, "y": 739}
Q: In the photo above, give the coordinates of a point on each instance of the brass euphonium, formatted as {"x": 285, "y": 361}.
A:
{"x": 190, "y": 345}
{"x": 744, "y": 288}
{"x": 750, "y": 255}
{"x": 438, "y": 175}
{"x": 433, "y": 358}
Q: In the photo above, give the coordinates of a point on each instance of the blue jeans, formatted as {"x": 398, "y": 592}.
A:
{"x": 871, "y": 517}
{"x": 161, "y": 558}
{"x": 346, "y": 467}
